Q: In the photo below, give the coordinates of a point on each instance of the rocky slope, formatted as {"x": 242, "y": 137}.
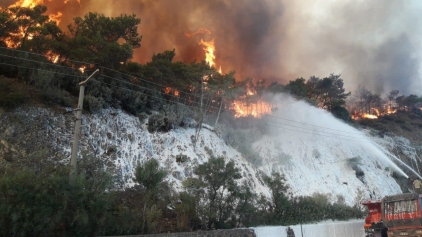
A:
{"x": 311, "y": 163}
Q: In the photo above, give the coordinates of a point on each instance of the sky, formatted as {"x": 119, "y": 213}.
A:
{"x": 375, "y": 43}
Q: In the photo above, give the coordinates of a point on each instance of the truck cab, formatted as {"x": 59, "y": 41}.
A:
{"x": 374, "y": 226}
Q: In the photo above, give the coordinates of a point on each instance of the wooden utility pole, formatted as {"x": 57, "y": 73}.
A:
{"x": 77, "y": 133}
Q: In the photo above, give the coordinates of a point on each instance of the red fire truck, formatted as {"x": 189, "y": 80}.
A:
{"x": 374, "y": 226}
{"x": 397, "y": 215}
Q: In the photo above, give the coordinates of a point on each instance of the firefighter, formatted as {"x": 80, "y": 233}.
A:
{"x": 290, "y": 232}
{"x": 417, "y": 186}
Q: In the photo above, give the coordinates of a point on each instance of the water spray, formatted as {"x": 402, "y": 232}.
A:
{"x": 400, "y": 161}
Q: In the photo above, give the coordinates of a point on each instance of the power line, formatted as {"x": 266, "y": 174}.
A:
{"x": 44, "y": 56}
{"x": 52, "y": 64}
{"x": 145, "y": 87}
{"x": 225, "y": 109}
{"x": 42, "y": 70}
{"x": 358, "y": 140}
{"x": 162, "y": 99}
{"x": 147, "y": 81}
{"x": 309, "y": 129}
{"x": 185, "y": 99}
{"x": 313, "y": 125}
{"x": 271, "y": 125}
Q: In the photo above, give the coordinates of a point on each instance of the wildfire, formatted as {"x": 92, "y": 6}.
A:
{"x": 169, "y": 91}
{"x": 31, "y": 4}
{"x": 27, "y": 3}
{"x": 82, "y": 69}
{"x": 209, "y": 47}
{"x": 52, "y": 57}
{"x": 243, "y": 109}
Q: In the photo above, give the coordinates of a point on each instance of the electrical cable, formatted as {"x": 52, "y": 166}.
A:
{"x": 309, "y": 129}
{"x": 358, "y": 140}
{"x": 185, "y": 99}
{"x": 144, "y": 87}
{"x": 41, "y": 55}
{"x": 42, "y": 70}
{"x": 338, "y": 136}
{"x": 52, "y": 64}
{"x": 187, "y": 93}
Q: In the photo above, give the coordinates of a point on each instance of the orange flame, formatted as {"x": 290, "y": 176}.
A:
{"x": 31, "y": 4}
{"x": 82, "y": 69}
{"x": 357, "y": 116}
{"x": 209, "y": 49}
{"x": 27, "y": 3}
{"x": 169, "y": 91}
{"x": 253, "y": 109}
{"x": 369, "y": 116}
{"x": 52, "y": 57}
{"x": 56, "y": 17}
{"x": 243, "y": 109}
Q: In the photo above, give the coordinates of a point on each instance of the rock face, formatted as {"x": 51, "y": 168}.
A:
{"x": 121, "y": 141}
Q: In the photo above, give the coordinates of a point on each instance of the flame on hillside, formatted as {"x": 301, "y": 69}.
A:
{"x": 171, "y": 91}
{"x": 244, "y": 107}
{"x": 27, "y": 3}
{"x": 52, "y": 57}
{"x": 30, "y": 4}
{"x": 209, "y": 47}
{"x": 375, "y": 115}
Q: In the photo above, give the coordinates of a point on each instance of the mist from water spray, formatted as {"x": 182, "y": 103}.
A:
{"x": 400, "y": 161}
{"x": 303, "y": 123}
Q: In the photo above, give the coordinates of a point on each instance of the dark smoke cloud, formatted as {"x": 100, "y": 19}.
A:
{"x": 369, "y": 42}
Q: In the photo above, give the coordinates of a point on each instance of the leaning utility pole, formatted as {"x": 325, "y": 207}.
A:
{"x": 77, "y": 133}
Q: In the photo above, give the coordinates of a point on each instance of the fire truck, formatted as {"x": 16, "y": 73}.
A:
{"x": 397, "y": 215}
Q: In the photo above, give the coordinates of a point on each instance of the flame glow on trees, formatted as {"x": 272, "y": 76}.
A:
{"x": 27, "y": 3}
{"x": 209, "y": 46}
{"x": 171, "y": 91}
{"x": 375, "y": 115}
{"x": 209, "y": 49}
{"x": 32, "y": 3}
{"x": 257, "y": 109}
{"x": 247, "y": 105}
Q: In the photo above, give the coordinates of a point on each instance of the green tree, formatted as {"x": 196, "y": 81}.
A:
{"x": 215, "y": 184}
{"x": 96, "y": 38}
{"x": 151, "y": 177}
{"x": 41, "y": 202}
{"x": 297, "y": 88}
{"x": 280, "y": 205}
{"x": 329, "y": 91}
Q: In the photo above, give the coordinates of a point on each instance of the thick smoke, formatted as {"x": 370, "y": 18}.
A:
{"x": 374, "y": 43}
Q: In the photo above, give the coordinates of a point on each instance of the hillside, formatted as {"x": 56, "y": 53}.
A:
{"x": 342, "y": 165}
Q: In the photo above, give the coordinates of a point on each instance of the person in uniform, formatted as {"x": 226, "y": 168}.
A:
{"x": 417, "y": 186}
{"x": 290, "y": 232}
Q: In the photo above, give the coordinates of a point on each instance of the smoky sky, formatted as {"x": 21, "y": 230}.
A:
{"x": 369, "y": 42}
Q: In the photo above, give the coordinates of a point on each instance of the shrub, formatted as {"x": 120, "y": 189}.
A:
{"x": 177, "y": 114}
{"x": 43, "y": 79}
{"x": 54, "y": 96}
{"x": 94, "y": 104}
{"x": 9, "y": 98}
{"x": 158, "y": 122}
{"x": 43, "y": 203}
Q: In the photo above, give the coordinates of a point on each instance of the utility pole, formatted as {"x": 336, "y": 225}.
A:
{"x": 77, "y": 133}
